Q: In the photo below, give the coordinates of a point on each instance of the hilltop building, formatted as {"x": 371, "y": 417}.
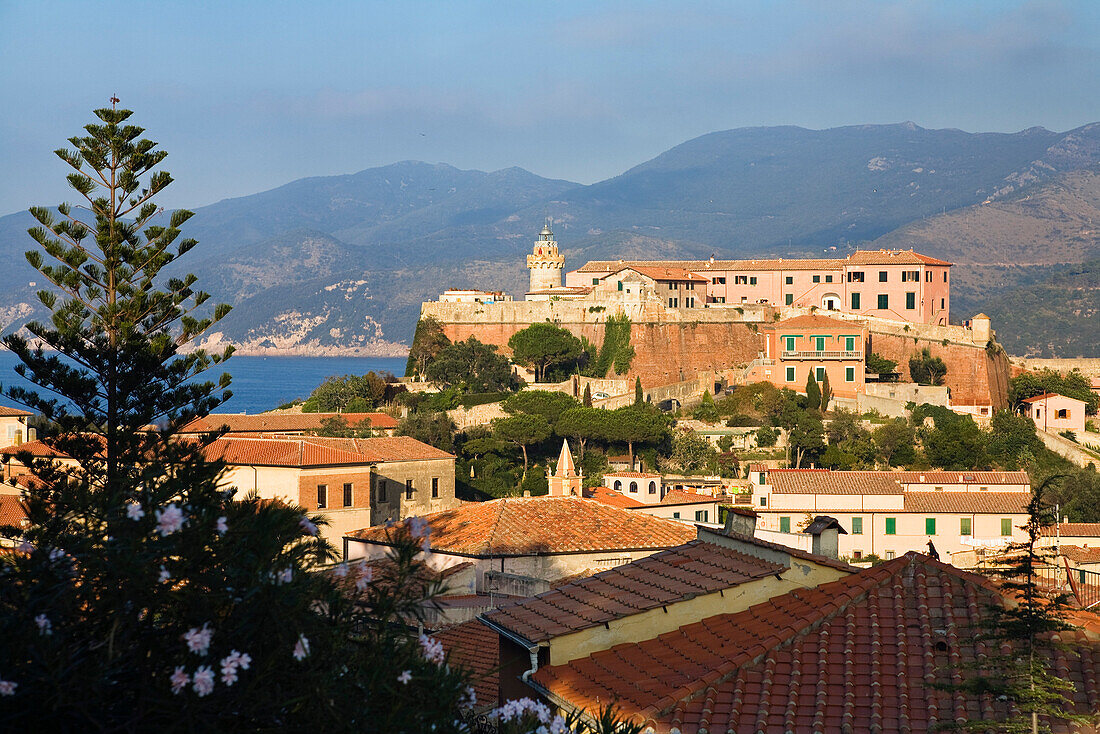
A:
{"x": 1055, "y": 413}
{"x": 13, "y": 426}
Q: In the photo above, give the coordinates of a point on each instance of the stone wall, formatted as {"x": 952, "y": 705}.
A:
{"x": 1089, "y": 366}
{"x": 976, "y": 376}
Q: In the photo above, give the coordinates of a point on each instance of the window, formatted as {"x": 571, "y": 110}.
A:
{"x": 817, "y": 278}
{"x": 676, "y": 516}
{"x": 790, "y": 374}
{"x": 965, "y": 527}
{"x": 929, "y": 526}
{"x": 1062, "y": 413}
{"x": 435, "y": 487}
{"x": 408, "y": 489}
{"x": 653, "y": 487}
{"x": 634, "y": 488}
{"x": 702, "y": 515}
{"x": 789, "y": 280}
{"x": 1006, "y": 526}
{"x": 752, "y": 280}
{"x": 882, "y": 276}
{"x": 891, "y": 526}
{"x": 347, "y": 494}
{"x": 819, "y": 343}
{"x": 910, "y": 300}
{"x": 857, "y": 526}
{"x": 944, "y": 276}
{"x": 673, "y": 286}
{"x": 828, "y": 279}
{"x": 788, "y": 343}
{"x": 763, "y": 501}
{"x": 381, "y": 490}
{"x": 720, "y": 281}
{"x": 595, "y": 281}
{"x": 855, "y": 302}
{"x": 618, "y": 486}
{"x": 910, "y": 276}
{"x": 620, "y": 285}
{"x": 322, "y": 496}
{"x": 857, "y": 555}
{"x": 819, "y": 374}
{"x": 849, "y": 374}
{"x": 884, "y": 301}
{"x": 928, "y": 276}
{"x": 855, "y": 277}
{"x": 784, "y": 524}
{"x": 849, "y": 344}
{"x": 942, "y": 301}
{"x": 889, "y": 555}
{"x": 740, "y": 279}
{"x": 788, "y": 299}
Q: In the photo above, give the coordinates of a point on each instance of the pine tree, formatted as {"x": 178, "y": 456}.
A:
{"x": 639, "y": 397}
{"x": 813, "y": 392}
{"x": 144, "y": 597}
{"x": 587, "y": 400}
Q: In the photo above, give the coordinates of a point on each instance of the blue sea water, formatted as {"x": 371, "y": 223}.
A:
{"x": 259, "y": 383}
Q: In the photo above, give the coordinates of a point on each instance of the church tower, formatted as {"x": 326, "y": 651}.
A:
{"x": 545, "y": 263}
{"x": 566, "y": 482}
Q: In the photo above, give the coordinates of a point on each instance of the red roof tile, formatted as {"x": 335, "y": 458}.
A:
{"x": 282, "y": 422}
{"x": 667, "y": 577}
{"x": 476, "y": 649}
{"x": 1079, "y": 554}
{"x": 823, "y": 481}
{"x": 6, "y": 412}
{"x": 1073, "y": 530}
{"x": 541, "y": 525}
{"x": 863, "y": 653}
{"x": 611, "y": 497}
{"x": 1047, "y": 396}
{"x": 968, "y": 502}
{"x": 683, "y": 497}
{"x": 285, "y": 452}
{"x": 385, "y": 448}
{"x": 892, "y": 257}
{"x": 813, "y": 321}
{"x": 662, "y": 272}
{"x": 632, "y": 474}
{"x": 11, "y": 510}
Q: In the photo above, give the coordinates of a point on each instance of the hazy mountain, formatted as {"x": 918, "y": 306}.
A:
{"x": 344, "y": 261}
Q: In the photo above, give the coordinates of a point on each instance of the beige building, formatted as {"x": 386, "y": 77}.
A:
{"x": 887, "y": 514}
{"x": 1055, "y": 413}
{"x": 13, "y": 426}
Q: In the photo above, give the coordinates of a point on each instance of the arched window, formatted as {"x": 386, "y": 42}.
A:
{"x": 653, "y": 487}
{"x": 634, "y": 487}
{"x": 618, "y": 486}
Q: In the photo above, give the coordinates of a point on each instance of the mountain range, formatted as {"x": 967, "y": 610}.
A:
{"x": 340, "y": 264}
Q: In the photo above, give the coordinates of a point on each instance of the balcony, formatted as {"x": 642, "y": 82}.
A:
{"x": 858, "y": 355}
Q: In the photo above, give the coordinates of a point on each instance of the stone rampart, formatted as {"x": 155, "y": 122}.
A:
{"x": 1089, "y": 366}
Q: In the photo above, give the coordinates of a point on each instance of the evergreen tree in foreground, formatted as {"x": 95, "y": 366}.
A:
{"x": 144, "y": 597}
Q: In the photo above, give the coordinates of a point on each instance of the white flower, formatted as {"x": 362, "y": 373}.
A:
{"x": 164, "y": 575}
{"x": 45, "y": 626}
{"x": 179, "y": 679}
{"x": 557, "y": 726}
{"x": 431, "y": 649}
{"x": 426, "y": 544}
{"x": 222, "y": 526}
{"x": 198, "y": 640}
{"x": 57, "y": 554}
{"x": 229, "y": 674}
{"x": 169, "y": 520}
{"x": 366, "y": 576}
{"x": 405, "y": 677}
{"x": 7, "y": 688}
{"x": 341, "y": 570}
{"x": 516, "y": 709}
{"x": 285, "y": 576}
{"x": 204, "y": 681}
{"x": 25, "y": 547}
{"x": 418, "y": 527}
{"x": 469, "y": 698}
{"x": 134, "y": 511}
{"x": 308, "y": 525}
{"x": 301, "y": 649}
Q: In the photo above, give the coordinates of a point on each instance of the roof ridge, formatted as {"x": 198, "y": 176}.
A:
{"x": 491, "y": 535}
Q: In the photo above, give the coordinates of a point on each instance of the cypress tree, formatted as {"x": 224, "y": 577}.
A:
{"x": 639, "y": 397}
{"x": 813, "y": 392}
{"x": 826, "y": 392}
{"x": 587, "y": 400}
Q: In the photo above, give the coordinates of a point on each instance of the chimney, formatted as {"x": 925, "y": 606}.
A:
{"x": 826, "y": 532}
{"x": 740, "y": 521}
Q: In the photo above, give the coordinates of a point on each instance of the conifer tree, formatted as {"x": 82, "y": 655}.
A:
{"x": 813, "y": 392}
{"x": 144, "y": 597}
{"x": 639, "y": 397}
{"x": 826, "y": 392}
{"x": 587, "y": 399}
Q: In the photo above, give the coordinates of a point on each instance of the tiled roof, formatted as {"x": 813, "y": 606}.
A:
{"x": 385, "y": 448}
{"x": 1047, "y": 396}
{"x": 475, "y": 648}
{"x": 813, "y": 321}
{"x": 611, "y": 497}
{"x": 683, "y": 497}
{"x": 6, "y": 412}
{"x": 283, "y": 452}
{"x": 664, "y": 272}
{"x": 632, "y": 474}
{"x": 823, "y": 481}
{"x": 752, "y": 540}
{"x": 701, "y": 266}
{"x": 863, "y": 653}
{"x": 282, "y": 422}
{"x": 961, "y": 477}
{"x": 11, "y": 510}
{"x": 540, "y": 525}
{"x": 892, "y": 257}
{"x": 1073, "y": 530}
{"x": 667, "y": 577}
{"x": 972, "y": 502}
{"x": 1079, "y": 554}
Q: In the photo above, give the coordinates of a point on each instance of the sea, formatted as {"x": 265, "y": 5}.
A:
{"x": 259, "y": 383}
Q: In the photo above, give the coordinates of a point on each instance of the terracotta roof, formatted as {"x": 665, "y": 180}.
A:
{"x": 11, "y": 510}
{"x": 863, "y": 653}
{"x": 662, "y": 272}
{"x": 282, "y": 422}
{"x": 475, "y": 648}
{"x": 611, "y": 497}
{"x": 283, "y": 452}
{"x": 892, "y": 257}
{"x": 1048, "y": 395}
{"x": 960, "y": 477}
{"x": 1080, "y": 554}
{"x": 520, "y": 526}
{"x": 752, "y": 540}
{"x": 683, "y": 497}
{"x": 385, "y": 448}
{"x": 702, "y": 266}
{"x": 974, "y": 502}
{"x": 632, "y": 474}
{"x": 6, "y": 412}
{"x": 813, "y": 321}
{"x": 667, "y": 577}
{"x": 1072, "y": 530}
{"x": 823, "y": 481}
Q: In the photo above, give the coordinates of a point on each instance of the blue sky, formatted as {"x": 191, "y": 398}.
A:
{"x": 246, "y": 96}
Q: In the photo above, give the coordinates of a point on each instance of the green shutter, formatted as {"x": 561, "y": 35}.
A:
{"x": 788, "y": 299}
{"x": 1006, "y": 526}
{"x": 884, "y": 301}
{"x": 929, "y": 526}
{"x": 790, "y": 374}
{"x": 855, "y": 301}
{"x": 849, "y": 374}
{"x": 819, "y": 343}
{"x": 910, "y": 300}
{"x": 788, "y": 343}
{"x": 964, "y": 526}
{"x": 784, "y": 524}
{"x": 857, "y": 526}
{"x": 849, "y": 344}
{"x": 891, "y": 526}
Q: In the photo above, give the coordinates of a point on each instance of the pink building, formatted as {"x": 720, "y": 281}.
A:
{"x": 1056, "y": 413}
{"x": 819, "y": 344}
{"x": 894, "y": 284}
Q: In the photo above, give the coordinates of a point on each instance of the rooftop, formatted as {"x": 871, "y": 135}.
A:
{"x": 611, "y": 497}
{"x": 283, "y": 422}
{"x": 6, "y": 412}
{"x": 663, "y": 578}
{"x": 859, "y": 654}
{"x": 1007, "y": 503}
{"x": 813, "y": 321}
{"x": 521, "y": 526}
{"x": 1047, "y": 396}
{"x": 825, "y": 481}
{"x": 475, "y": 648}
{"x": 683, "y": 497}
{"x": 860, "y": 257}
{"x": 1072, "y": 530}
{"x": 1079, "y": 554}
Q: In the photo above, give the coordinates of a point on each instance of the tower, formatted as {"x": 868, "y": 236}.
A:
{"x": 565, "y": 482}
{"x": 544, "y": 261}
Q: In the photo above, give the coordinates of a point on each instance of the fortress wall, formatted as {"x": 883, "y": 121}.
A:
{"x": 1089, "y": 366}
{"x": 975, "y": 376}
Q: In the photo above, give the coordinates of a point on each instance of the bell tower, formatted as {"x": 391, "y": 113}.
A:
{"x": 545, "y": 263}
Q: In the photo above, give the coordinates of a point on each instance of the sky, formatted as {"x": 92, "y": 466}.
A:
{"x": 246, "y": 96}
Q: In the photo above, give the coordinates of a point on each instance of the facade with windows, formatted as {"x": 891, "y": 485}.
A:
{"x": 641, "y": 486}
{"x": 888, "y": 514}
{"x": 1055, "y": 413}
{"x": 820, "y": 345}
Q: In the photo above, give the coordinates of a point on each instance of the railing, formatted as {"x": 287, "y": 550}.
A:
{"x": 758, "y": 362}
{"x": 1085, "y": 585}
{"x": 822, "y": 355}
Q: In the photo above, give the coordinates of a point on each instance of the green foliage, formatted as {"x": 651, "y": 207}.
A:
{"x": 879, "y": 364}
{"x": 544, "y": 345}
{"x": 956, "y": 442}
{"x": 706, "y": 410}
{"x": 615, "y": 351}
{"x": 895, "y": 441}
{"x": 806, "y": 440}
{"x": 436, "y": 429}
{"x": 523, "y": 430}
{"x": 766, "y": 436}
{"x": 348, "y": 393}
{"x": 826, "y": 392}
{"x": 738, "y": 420}
{"x": 587, "y": 399}
{"x": 636, "y": 424}
{"x": 1080, "y": 494}
{"x": 337, "y": 426}
{"x": 534, "y": 482}
{"x": 925, "y": 369}
{"x": 428, "y": 341}
{"x": 1013, "y": 442}
{"x": 639, "y": 396}
{"x": 550, "y": 405}
{"x": 783, "y": 407}
{"x": 471, "y": 366}
{"x": 582, "y": 424}
{"x": 691, "y": 452}
{"x": 850, "y": 443}
{"x": 1071, "y": 384}
{"x": 813, "y": 392}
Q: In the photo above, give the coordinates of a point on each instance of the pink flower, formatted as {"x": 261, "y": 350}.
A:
{"x": 222, "y": 526}
{"x": 230, "y": 663}
{"x": 301, "y": 649}
{"x": 169, "y": 520}
{"x": 7, "y": 688}
{"x": 432, "y": 649}
{"x": 341, "y": 570}
{"x": 308, "y": 525}
{"x": 164, "y": 575}
{"x": 405, "y": 677}
{"x": 179, "y": 679}
{"x": 204, "y": 681}
{"x": 198, "y": 640}
{"x": 418, "y": 527}
{"x": 469, "y": 698}
{"x": 366, "y": 576}
{"x": 134, "y": 511}
{"x": 45, "y": 626}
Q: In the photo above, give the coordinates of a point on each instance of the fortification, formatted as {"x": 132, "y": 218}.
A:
{"x": 545, "y": 263}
